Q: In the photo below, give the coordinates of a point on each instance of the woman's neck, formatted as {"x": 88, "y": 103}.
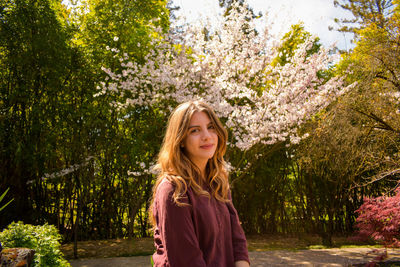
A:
{"x": 201, "y": 165}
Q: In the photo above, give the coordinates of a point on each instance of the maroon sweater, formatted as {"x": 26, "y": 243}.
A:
{"x": 206, "y": 233}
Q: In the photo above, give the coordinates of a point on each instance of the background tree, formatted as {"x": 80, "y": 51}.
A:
{"x": 260, "y": 103}
{"x": 85, "y": 92}
{"x": 37, "y": 64}
{"x": 339, "y": 154}
{"x": 291, "y": 40}
{"x": 64, "y": 153}
{"x": 129, "y": 22}
{"x": 375, "y": 64}
{"x": 365, "y": 12}
{"x": 123, "y": 147}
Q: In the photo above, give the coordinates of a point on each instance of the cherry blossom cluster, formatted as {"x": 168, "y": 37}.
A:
{"x": 143, "y": 169}
{"x": 230, "y": 66}
{"x": 65, "y": 171}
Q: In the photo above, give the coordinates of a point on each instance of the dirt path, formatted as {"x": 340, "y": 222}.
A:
{"x": 312, "y": 257}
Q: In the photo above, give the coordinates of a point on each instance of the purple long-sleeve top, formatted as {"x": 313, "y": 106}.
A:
{"x": 204, "y": 233}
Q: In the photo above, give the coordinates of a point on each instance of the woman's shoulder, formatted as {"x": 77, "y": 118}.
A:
{"x": 167, "y": 191}
{"x": 168, "y": 183}
{"x": 165, "y": 185}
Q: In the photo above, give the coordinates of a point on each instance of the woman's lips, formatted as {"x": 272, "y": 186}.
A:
{"x": 207, "y": 146}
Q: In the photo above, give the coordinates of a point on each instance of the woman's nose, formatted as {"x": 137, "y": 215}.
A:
{"x": 206, "y": 134}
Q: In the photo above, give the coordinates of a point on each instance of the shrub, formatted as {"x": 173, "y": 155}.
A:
{"x": 379, "y": 218}
{"x": 44, "y": 239}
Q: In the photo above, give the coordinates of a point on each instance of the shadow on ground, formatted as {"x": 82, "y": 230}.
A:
{"x": 312, "y": 257}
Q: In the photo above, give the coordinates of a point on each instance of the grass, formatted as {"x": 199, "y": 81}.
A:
{"x": 145, "y": 246}
{"x": 285, "y": 242}
{"x": 110, "y": 248}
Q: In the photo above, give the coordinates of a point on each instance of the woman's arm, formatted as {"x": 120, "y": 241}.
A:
{"x": 239, "y": 242}
{"x": 242, "y": 264}
{"x": 177, "y": 230}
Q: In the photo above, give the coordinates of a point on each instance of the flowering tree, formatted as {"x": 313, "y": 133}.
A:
{"x": 379, "y": 218}
{"x": 230, "y": 66}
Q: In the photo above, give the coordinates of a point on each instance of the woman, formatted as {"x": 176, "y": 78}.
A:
{"x": 193, "y": 216}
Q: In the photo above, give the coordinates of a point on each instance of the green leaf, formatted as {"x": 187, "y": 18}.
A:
{"x": 1, "y": 198}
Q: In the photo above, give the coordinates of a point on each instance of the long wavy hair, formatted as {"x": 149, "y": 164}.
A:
{"x": 174, "y": 164}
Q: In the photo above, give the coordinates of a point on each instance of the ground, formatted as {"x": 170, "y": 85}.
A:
{"x": 312, "y": 257}
{"x": 145, "y": 246}
{"x": 264, "y": 251}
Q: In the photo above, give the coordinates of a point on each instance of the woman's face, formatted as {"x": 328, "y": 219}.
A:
{"x": 201, "y": 139}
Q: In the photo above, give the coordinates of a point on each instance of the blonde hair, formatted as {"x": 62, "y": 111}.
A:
{"x": 175, "y": 166}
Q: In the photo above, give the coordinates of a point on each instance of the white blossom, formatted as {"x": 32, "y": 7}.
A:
{"x": 233, "y": 72}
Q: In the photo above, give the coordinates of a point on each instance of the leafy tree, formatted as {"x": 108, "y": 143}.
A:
{"x": 262, "y": 193}
{"x": 365, "y": 12}
{"x": 230, "y": 70}
{"x": 353, "y": 147}
{"x": 123, "y": 146}
{"x": 374, "y": 64}
{"x": 291, "y": 42}
{"x": 379, "y": 219}
{"x": 36, "y": 65}
{"x": 332, "y": 163}
{"x": 64, "y": 154}
{"x": 123, "y": 25}
{"x": 229, "y": 4}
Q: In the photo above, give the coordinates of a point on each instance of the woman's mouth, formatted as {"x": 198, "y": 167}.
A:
{"x": 208, "y": 146}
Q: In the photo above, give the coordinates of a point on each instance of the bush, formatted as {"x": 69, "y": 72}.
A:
{"x": 44, "y": 239}
{"x": 379, "y": 218}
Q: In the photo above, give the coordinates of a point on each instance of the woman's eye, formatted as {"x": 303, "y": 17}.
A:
{"x": 211, "y": 127}
{"x": 194, "y": 131}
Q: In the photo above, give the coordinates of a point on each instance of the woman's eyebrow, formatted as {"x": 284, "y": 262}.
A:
{"x": 193, "y": 126}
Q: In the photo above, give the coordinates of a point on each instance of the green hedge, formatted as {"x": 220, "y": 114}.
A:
{"x": 44, "y": 239}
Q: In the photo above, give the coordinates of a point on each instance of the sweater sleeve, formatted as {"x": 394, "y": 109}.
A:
{"x": 177, "y": 230}
{"x": 238, "y": 238}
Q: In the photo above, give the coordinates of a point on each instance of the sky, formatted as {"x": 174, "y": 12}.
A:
{"x": 317, "y": 16}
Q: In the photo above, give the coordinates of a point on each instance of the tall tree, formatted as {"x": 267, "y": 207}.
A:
{"x": 374, "y": 64}
{"x": 229, "y": 4}
{"x": 120, "y": 24}
{"x": 122, "y": 147}
{"x": 365, "y": 12}
{"x": 37, "y": 65}
{"x": 291, "y": 42}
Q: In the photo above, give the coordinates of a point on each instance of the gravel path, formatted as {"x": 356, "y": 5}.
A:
{"x": 312, "y": 257}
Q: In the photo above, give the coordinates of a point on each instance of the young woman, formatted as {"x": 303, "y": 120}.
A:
{"x": 195, "y": 222}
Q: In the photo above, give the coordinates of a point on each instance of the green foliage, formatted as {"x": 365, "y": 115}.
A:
{"x": 35, "y": 69}
{"x": 328, "y": 162}
{"x": 364, "y": 13}
{"x": 50, "y": 64}
{"x": 44, "y": 239}
{"x": 229, "y": 4}
{"x": 65, "y": 154}
{"x": 353, "y": 148}
{"x": 374, "y": 65}
{"x": 291, "y": 41}
{"x": 266, "y": 184}
{"x": 131, "y": 22}
{"x": 1, "y": 198}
